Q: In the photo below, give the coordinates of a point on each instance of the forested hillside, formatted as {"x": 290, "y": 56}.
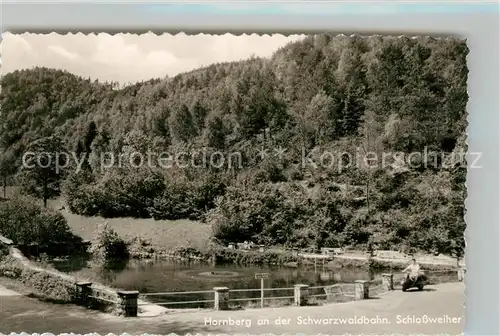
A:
{"x": 335, "y": 94}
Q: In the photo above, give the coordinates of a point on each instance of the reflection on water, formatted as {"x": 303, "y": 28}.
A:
{"x": 172, "y": 276}
{"x": 165, "y": 275}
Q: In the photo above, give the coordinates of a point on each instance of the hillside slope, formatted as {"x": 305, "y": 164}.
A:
{"x": 321, "y": 95}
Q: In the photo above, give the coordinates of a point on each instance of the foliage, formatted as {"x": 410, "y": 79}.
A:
{"x": 43, "y": 168}
{"x": 43, "y": 285}
{"x": 277, "y": 216}
{"x": 7, "y": 169}
{"x": 107, "y": 245}
{"x": 341, "y": 94}
{"x": 253, "y": 257}
{"x": 24, "y": 222}
{"x": 4, "y": 250}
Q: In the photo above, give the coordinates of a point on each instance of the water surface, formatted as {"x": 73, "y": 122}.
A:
{"x": 173, "y": 276}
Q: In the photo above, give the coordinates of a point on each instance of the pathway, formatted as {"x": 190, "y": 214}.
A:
{"x": 389, "y": 314}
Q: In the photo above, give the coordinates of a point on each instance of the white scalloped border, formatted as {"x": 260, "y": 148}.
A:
{"x": 199, "y": 334}
{"x": 184, "y": 33}
{"x": 199, "y": 34}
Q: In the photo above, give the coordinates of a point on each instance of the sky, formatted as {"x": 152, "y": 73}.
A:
{"x": 128, "y": 58}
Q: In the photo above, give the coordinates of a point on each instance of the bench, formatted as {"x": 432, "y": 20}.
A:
{"x": 331, "y": 251}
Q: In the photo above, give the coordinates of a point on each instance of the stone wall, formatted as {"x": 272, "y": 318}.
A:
{"x": 51, "y": 284}
{"x": 63, "y": 288}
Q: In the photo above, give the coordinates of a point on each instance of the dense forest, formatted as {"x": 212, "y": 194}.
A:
{"x": 336, "y": 94}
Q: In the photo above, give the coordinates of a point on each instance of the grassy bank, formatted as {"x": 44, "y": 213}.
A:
{"x": 157, "y": 235}
{"x": 162, "y": 234}
{"x": 47, "y": 284}
{"x": 187, "y": 239}
{"x": 215, "y": 254}
{"x": 41, "y": 285}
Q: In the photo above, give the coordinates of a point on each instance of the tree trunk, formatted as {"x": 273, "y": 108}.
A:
{"x": 45, "y": 192}
{"x": 368, "y": 197}
{"x": 4, "y": 187}
{"x": 368, "y": 181}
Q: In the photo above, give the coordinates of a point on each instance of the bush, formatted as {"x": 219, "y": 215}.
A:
{"x": 107, "y": 245}
{"x": 4, "y": 250}
{"x": 253, "y": 257}
{"x": 25, "y": 222}
{"x": 186, "y": 198}
{"x": 142, "y": 194}
{"x": 119, "y": 193}
{"x": 42, "y": 284}
{"x": 243, "y": 213}
{"x": 175, "y": 202}
{"x": 274, "y": 215}
{"x": 80, "y": 193}
{"x": 50, "y": 287}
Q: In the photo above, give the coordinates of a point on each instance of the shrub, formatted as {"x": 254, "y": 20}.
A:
{"x": 107, "y": 245}
{"x": 143, "y": 193}
{"x": 80, "y": 194}
{"x": 253, "y": 257}
{"x": 4, "y": 250}
{"x": 118, "y": 193}
{"x": 50, "y": 287}
{"x": 184, "y": 198}
{"x": 175, "y": 202}
{"x": 275, "y": 215}
{"x": 42, "y": 284}
{"x": 26, "y": 222}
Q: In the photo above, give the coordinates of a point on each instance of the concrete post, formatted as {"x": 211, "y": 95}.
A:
{"x": 301, "y": 295}
{"x": 388, "y": 281}
{"x": 127, "y": 305}
{"x": 461, "y": 274}
{"x": 83, "y": 291}
{"x": 221, "y": 298}
{"x": 361, "y": 290}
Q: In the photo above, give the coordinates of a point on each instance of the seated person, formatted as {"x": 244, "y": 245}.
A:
{"x": 413, "y": 270}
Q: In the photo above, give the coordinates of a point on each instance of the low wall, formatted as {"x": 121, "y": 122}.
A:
{"x": 59, "y": 287}
{"x": 53, "y": 285}
{"x": 392, "y": 259}
{"x": 54, "y": 249}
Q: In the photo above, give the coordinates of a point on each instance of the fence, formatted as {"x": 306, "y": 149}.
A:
{"x": 127, "y": 303}
{"x": 224, "y": 298}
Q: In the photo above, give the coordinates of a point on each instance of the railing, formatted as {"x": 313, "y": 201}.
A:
{"x": 88, "y": 295}
{"x": 262, "y": 296}
{"x": 99, "y": 298}
{"x": 223, "y": 298}
{"x": 168, "y": 303}
{"x": 340, "y": 292}
{"x": 332, "y": 293}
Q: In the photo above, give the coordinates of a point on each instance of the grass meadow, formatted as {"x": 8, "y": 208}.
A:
{"x": 166, "y": 234}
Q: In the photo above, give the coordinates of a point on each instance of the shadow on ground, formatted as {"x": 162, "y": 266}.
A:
{"x": 423, "y": 290}
{"x": 22, "y": 314}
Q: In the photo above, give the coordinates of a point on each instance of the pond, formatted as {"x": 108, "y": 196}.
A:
{"x": 173, "y": 276}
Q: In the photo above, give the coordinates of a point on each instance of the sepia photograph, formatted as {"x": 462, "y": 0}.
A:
{"x": 223, "y": 184}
